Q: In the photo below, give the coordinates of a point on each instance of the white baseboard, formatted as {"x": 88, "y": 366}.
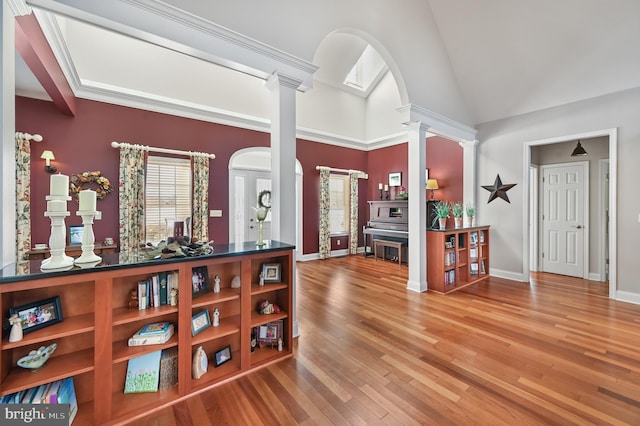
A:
{"x": 593, "y": 276}
{"x": 508, "y": 275}
{"x": 627, "y": 296}
{"x": 334, "y": 253}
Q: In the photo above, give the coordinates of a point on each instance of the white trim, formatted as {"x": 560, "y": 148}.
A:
{"x": 627, "y": 296}
{"x": 602, "y": 216}
{"x": 18, "y": 7}
{"x": 436, "y": 123}
{"x": 508, "y": 275}
{"x": 594, "y": 276}
{"x": 534, "y": 254}
{"x": 612, "y": 133}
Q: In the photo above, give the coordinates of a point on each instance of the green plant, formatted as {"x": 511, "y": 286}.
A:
{"x": 457, "y": 209}
{"x": 442, "y": 209}
{"x": 471, "y": 211}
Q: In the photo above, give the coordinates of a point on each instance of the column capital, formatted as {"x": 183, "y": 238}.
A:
{"x": 436, "y": 123}
{"x": 280, "y": 80}
{"x": 19, "y": 7}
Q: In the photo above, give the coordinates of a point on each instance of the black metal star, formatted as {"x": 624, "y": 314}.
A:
{"x": 498, "y": 190}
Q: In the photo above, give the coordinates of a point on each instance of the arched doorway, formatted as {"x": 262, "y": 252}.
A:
{"x": 249, "y": 174}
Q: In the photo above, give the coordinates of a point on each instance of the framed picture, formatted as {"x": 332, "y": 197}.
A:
{"x": 75, "y": 234}
{"x": 271, "y": 272}
{"x": 199, "y": 281}
{"x": 395, "y": 179}
{"x": 268, "y": 334}
{"x": 222, "y": 356}
{"x": 200, "y": 322}
{"x": 37, "y": 315}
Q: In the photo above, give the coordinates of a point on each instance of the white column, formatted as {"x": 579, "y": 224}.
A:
{"x": 470, "y": 175}
{"x": 417, "y": 207}
{"x": 7, "y": 128}
{"x": 283, "y": 167}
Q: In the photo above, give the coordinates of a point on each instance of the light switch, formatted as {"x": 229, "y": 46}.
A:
{"x": 215, "y": 213}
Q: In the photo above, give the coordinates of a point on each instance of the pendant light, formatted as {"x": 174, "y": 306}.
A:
{"x": 578, "y": 151}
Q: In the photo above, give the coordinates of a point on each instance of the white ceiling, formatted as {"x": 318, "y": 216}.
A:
{"x": 508, "y": 57}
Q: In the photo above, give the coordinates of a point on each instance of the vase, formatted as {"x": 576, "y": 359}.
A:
{"x": 469, "y": 221}
{"x": 442, "y": 221}
{"x": 458, "y": 222}
{"x": 260, "y": 242}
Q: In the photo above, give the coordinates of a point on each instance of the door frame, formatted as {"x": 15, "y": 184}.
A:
{"x": 612, "y": 134}
{"x": 264, "y": 165}
{"x": 585, "y": 207}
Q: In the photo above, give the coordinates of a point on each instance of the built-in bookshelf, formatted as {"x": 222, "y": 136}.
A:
{"x": 457, "y": 258}
{"x": 99, "y": 318}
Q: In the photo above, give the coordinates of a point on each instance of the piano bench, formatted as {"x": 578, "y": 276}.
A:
{"x": 386, "y": 243}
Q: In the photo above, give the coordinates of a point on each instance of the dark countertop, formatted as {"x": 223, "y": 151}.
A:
{"x": 30, "y": 270}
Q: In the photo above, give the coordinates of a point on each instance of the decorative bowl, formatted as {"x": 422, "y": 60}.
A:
{"x": 36, "y": 359}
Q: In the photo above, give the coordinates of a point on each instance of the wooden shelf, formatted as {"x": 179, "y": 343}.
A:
{"x": 70, "y": 326}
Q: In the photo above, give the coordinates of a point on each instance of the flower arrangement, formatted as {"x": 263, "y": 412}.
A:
{"x": 442, "y": 209}
{"x": 78, "y": 182}
{"x": 457, "y": 209}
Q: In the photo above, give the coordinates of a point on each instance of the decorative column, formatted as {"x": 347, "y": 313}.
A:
{"x": 469, "y": 176}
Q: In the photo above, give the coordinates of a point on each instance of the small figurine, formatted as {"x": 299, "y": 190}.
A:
{"x": 235, "y": 282}
{"x": 216, "y": 317}
{"x": 173, "y": 297}
{"x": 280, "y": 344}
{"x": 266, "y": 308}
{"x": 16, "y": 328}
{"x": 133, "y": 299}
{"x": 216, "y": 285}
{"x": 200, "y": 363}
{"x": 261, "y": 278}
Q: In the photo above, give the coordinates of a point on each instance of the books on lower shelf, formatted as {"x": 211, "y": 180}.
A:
{"x": 160, "y": 333}
{"x": 143, "y": 373}
{"x": 450, "y": 278}
{"x": 58, "y": 392}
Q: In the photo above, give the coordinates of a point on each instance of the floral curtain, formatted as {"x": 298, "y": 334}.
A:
{"x": 353, "y": 210}
{"x": 131, "y": 197}
{"x": 325, "y": 239}
{"x": 200, "y": 224}
{"x": 23, "y": 196}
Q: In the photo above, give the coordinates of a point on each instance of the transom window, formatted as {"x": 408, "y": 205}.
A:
{"x": 167, "y": 195}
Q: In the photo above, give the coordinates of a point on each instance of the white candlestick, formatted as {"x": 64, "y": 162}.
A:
{"x": 380, "y": 185}
{"x": 56, "y": 206}
{"x": 87, "y": 200}
{"x": 59, "y": 185}
{"x": 386, "y": 187}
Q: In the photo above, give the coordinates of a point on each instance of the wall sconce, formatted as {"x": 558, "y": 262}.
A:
{"x": 578, "y": 151}
{"x": 48, "y": 156}
{"x": 431, "y": 185}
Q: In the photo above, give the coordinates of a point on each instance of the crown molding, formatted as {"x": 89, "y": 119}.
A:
{"x": 18, "y": 7}
{"x": 164, "y": 25}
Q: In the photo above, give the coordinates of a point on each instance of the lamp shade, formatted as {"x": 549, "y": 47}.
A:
{"x": 47, "y": 155}
{"x": 578, "y": 150}
{"x": 432, "y": 184}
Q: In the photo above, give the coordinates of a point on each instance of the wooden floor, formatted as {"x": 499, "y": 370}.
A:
{"x": 556, "y": 352}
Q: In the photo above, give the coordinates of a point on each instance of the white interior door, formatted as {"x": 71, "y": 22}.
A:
{"x": 247, "y": 184}
{"x": 564, "y": 219}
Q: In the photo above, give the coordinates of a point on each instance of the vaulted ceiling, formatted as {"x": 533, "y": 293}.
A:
{"x": 508, "y": 57}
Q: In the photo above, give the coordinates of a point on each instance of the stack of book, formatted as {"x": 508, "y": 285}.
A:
{"x": 58, "y": 392}
{"x": 152, "y": 334}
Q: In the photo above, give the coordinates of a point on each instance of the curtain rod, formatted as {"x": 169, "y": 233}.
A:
{"x": 331, "y": 169}
{"x": 163, "y": 150}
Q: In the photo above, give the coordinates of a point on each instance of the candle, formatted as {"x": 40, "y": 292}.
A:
{"x": 386, "y": 187}
{"x": 56, "y": 206}
{"x": 380, "y": 185}
{"x": 59, "y": 185}
{"x": 87, "y": 200}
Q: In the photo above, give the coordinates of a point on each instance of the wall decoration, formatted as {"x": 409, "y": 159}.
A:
{"x": 199, "y": 281}
{"x": 81, "y": 180}
{"x": 271, "y": 273}
{"x": 395, "y": 179}
{"x": 498, "y": 189}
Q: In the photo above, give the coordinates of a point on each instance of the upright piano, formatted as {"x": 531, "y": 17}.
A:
{"x": 389, "y": 220}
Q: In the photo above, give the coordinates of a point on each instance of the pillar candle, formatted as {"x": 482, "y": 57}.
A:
{"x": 87, "y": 200}
{"x": 380, "y": 185}
{"x": 56, "y": 206}
{"x": 59, "y": 185}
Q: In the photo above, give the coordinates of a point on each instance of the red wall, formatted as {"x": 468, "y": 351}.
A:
{"x": 83, "y": 143}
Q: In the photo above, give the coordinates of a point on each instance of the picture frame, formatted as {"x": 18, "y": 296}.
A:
{"x": 222, "y": 356}
{"x": 75, "y": 234}
{"x": 272, "y": 272}
{"x": 199, "y": 281}
{"x": 269, "y": 333}
{"x": 395, "y": 179}
{"x": 200, "y": 322}
{"x": 38, "y": 314}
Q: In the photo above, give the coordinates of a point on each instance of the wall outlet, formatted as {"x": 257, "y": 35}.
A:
{"x": 215, "y": 213}
{"x": 338, "y": 242}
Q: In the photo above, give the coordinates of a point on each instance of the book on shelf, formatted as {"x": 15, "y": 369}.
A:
{"x": 163, "y": 276}
{"x": 151, "y": 339}
{"x": 482, "y": 270}
{"x": 482, "y": 237}
{"x": 154, "y": 291}
{"x": 473, "y": 252}
{"x": 154, "y": 328}
{"x": 58, "y": 392}
{"x": 168, "y": 368}
{"x": 474, "y": 268}
{"x": 143, "y": 373}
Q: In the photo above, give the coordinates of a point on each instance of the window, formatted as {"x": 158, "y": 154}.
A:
{"x": 167, "y": 195}
{"x": 338, "y": 204}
